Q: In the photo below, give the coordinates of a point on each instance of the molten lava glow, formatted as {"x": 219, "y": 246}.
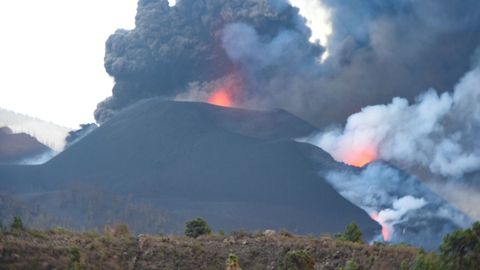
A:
{"x": 385, "y": 230}
{"x": 361, "y": 157}
{"x": 221, "y": 98}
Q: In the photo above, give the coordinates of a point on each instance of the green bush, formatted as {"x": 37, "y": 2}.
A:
{"x": 461, "y": 249}
{"x": 298, "y": 260}
{"x": 2, "y": 227}
{"x": 232, "y": 262}
{"x": 426, "y": 261}
{"x": 74, "y": 254}
{"x": 75, "y": 259}
{"x": 351, "y": 265}
{"x": 197, "y": 227}
{"x": 17, "y": 224}
{"x": 352, "y": 233}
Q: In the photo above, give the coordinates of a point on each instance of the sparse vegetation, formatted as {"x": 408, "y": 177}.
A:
{"x": 232, "y": 262}
{"x": 63, "y": 249}
{"x": 351, "y": 265}
{"x": 117, "y": 230}
{"x": 17, "y": 224}
{"x": 118, "y": 249}
{"x": 75, "y": 258}
{"x": 426, "y": 261}
{"x": 2, "y": 227}
{"x": 196, "y": 228}
{"x": 352, "y": 233}
{"x": 298, "y": 260}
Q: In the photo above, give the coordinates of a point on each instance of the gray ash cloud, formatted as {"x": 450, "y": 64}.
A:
{"x": 378, "y": 50}
{"x": 171, "y": 47}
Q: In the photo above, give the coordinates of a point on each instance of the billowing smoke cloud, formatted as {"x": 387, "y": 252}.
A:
{"x": 408, "y": 211}
{"x": 437, "y": 131}
{"x": 435, "y": 137}
{"x": 172, "y": 47}
{"x": 377, "y": 50}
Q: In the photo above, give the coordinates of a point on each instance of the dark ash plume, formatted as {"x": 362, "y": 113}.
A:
{"x": 378, "y": 50}
{"x": 174, "y": 46}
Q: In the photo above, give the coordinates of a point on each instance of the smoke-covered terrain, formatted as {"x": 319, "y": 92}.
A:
{"x": 407, "y": 210}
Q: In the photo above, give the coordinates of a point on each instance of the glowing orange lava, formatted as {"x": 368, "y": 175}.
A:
{"x": 221, "y": 98}
{"x": 385, "y": 230}
{"x": 361, "y": 157}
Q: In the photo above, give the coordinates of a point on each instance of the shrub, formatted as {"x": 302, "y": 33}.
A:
{"x": 119, "y": 230}
{"x": 17, "y": 224}
{"x": 426, "y": 261}
{"x": 197, "y": 227}
{"x": 461, "y": 249}
{"x": 351, "y": 265}
{"x": 2, "y": 227}
{"x": 298, "y": 260}
{"x": 74, "y": 254}
{"x": 352, "y": 233}
{"x": 75, "y": 259}
{"x": 232, "y": 262}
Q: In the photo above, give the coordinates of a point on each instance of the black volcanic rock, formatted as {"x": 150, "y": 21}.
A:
{"x": 159, "y": 163}
{"x": 15, "y": 147}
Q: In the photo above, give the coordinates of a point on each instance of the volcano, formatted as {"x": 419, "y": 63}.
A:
{"x": 159, "y": 163}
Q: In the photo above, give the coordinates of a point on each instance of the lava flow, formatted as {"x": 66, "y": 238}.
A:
{"x": 385, "y": 229}
{"x": 221, "y": 98}
{"x": 360, "y": 157}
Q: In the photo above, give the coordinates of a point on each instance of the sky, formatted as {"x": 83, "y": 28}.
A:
{"x": 51, "y": 54}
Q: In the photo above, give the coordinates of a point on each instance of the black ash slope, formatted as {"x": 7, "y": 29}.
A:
{"x": 236, "y": 168}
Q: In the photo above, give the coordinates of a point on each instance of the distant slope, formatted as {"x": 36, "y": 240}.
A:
{"x": 15, "y": 147}
{"x": 180, "y": 160}
{"x": 47, "y": 133}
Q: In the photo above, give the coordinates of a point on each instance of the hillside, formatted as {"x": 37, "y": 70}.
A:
{"x": 16, "y": 147}
{"x": 159, "y": 163}
{"x": 59, "y": 249}
{"x": 47, "y": 133}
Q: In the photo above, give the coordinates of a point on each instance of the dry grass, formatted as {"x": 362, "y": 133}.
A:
{"x": 59, "y": 249}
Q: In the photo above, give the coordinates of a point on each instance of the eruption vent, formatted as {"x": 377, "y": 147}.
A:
{"x": 360, "y": 157}
{"x": 221, "y": 98}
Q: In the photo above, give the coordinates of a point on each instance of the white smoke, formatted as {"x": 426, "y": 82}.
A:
{"x": 47, "y": 133}
{"x": 401, "y": 207}
{"x": 437, "y": 132}
{"x": 40, "y": 159}
{"x": 396, "y": 201}
{"x": 318, "y": 19}
{"x": 391, "y": 216}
